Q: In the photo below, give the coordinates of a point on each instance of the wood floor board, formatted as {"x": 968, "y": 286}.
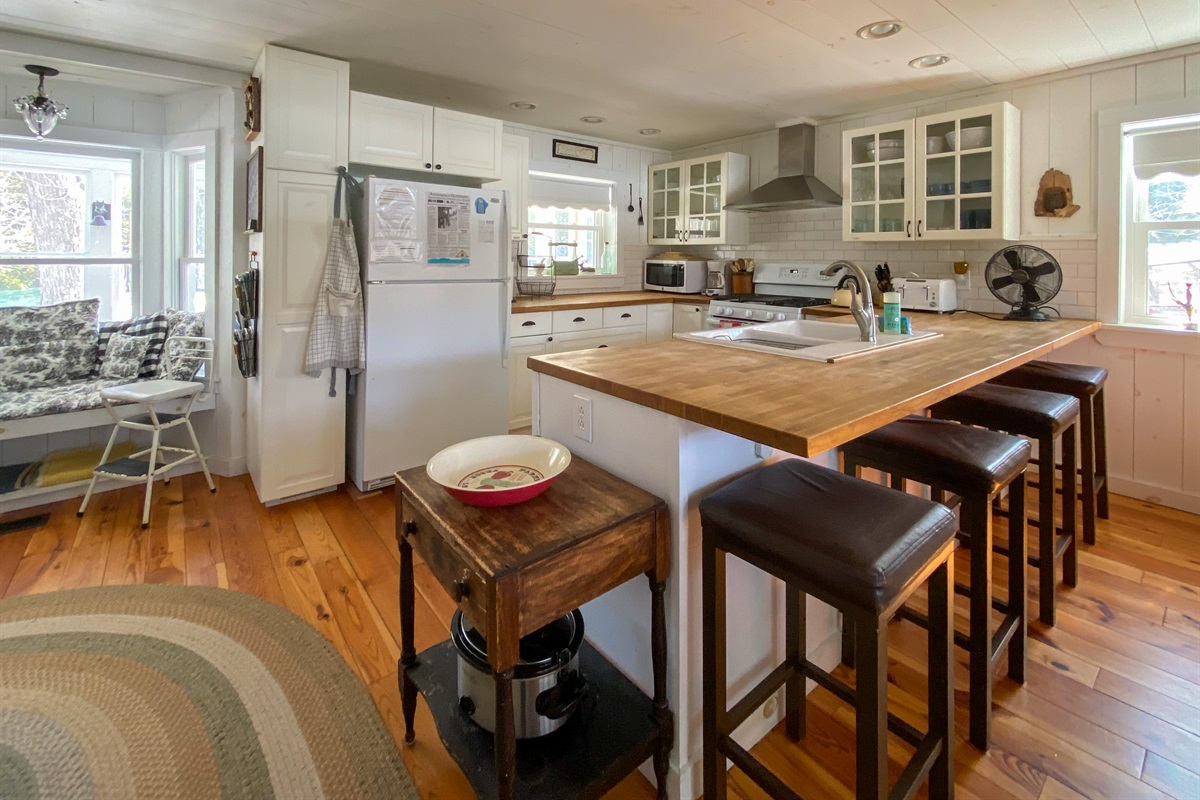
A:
{"x": 1109, "y": 708}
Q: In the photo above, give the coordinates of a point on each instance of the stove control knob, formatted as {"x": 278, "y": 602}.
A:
{"x": 748, "y": 314}
{"x": 780, "y": 315}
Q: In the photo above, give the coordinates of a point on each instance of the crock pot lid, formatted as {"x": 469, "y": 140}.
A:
{"x": 540, "y": 648}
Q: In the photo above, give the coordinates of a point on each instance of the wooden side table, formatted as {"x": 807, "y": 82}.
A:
{"x": 512, "y": 570}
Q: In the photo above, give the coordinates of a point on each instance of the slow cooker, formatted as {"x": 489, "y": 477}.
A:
{"x": 547, "y": 685}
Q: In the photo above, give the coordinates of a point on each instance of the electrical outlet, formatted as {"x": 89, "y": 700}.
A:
{"x": 771, "y": 706}
{"x": 581, "y": 418}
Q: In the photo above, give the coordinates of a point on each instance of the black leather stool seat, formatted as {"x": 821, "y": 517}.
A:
{"x": 957, "y": 458}
{"x": 854, "y": 540}
{"x": 1078, "y": 380}
{"x": 1026, "y": 412}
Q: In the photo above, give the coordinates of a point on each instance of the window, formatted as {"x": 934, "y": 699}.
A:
{"x": 191, "y": 260}
{"x": 1160, "y": 220}
{"x": 571, "y": 219}
{"x": 69, "y": 220}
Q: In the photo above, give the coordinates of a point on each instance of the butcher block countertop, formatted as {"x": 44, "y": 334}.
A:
{"x": 808, "y": 407}
{"x": 573, "y": 302}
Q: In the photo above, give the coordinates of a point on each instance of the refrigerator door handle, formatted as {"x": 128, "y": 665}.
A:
{"x": 506, "y": 295}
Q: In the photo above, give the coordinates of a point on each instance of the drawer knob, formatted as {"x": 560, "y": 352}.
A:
{"x": 462, "y": 589}
{"x": 410, "y": 527}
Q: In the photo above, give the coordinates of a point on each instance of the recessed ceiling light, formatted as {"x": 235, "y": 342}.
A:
{"x": 592, "y": 120}
{"x": 925, "y": 62}
{"x": 880, "y": 30}
{"x": 649, "y": 131}
{"x": 522, "y": 106}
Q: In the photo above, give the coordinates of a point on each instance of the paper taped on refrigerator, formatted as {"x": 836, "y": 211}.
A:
{"x": 396, "y": 231}
{"x": 448, "y": 227}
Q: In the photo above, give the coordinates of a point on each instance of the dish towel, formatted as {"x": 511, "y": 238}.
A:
{"x": 336, "y": 338}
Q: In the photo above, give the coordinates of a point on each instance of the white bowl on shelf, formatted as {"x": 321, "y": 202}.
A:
{"x": 498, "y": 470}
{"x": 888, "y": 150}
{"x": 935, "y": 145}
{"x": 972, "y": 138}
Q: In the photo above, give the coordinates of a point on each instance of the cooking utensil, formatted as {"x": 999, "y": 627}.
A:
{"x": 498, "y": 470}
{"x": 547, "y": 685}
{"x": 641, "y": 219}
{"x": 630, "y": 209}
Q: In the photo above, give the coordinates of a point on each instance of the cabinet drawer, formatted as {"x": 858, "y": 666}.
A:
{"x": 583, "y": 320}
{"x": 529, "y": 324}
{"x": 624, "y": 315}
{"x": 448, "y": 567}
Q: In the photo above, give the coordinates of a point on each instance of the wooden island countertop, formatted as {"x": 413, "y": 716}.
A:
{"x": 574, "y": 302}
{"x": 808, "y": 407}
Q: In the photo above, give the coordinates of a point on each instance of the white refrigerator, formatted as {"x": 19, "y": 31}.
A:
{"x": 435, "y": 269}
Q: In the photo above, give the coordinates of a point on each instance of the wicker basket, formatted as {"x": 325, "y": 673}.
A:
{"x": 535, "y": 276}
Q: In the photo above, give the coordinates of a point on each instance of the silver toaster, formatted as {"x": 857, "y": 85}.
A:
{"x": 927, "y": 294}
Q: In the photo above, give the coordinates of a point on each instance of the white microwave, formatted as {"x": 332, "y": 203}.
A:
{"x": 683, "y": 276}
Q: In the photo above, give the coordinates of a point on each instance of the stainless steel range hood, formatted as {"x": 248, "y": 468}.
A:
{"x": 796, "y": 187}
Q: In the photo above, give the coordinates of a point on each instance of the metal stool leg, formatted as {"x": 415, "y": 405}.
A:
{"x": 941, "y": 682}
{"x": 1101, "y": 454}
{"x": 713, "y": 609}
{"x": 112, "y": 439}
{"x": 1070, "y": 499}
{"x": 150, "y": 474}
{"x": 1018, "y": 602}
{"x": 187, "y": 423}
{"x": 977, "y": 520}
{"x": 1087, "y": 437}
{"x": 794, "y": 620}
{"x": 1046, "y": 530}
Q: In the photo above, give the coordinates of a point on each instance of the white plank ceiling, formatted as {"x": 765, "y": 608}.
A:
{"x": 700, "y": 70}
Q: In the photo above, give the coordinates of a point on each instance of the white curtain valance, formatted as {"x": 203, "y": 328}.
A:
{"x": 1166, "y": 151}
{"x": 569, "y": 194}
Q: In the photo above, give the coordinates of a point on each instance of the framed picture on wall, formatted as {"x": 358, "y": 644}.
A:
{"x": 252, "y": 91}
{"x": 254, "y": 199}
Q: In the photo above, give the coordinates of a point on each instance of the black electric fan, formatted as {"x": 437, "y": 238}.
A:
{"x": 1025, "y": 277}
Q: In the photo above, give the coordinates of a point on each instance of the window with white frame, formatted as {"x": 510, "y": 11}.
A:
{"x": 190, "y": 240}
{"x": 69, "y": 225}
{"x": 1160, "y": 221}
{"x": 571, "y": 223}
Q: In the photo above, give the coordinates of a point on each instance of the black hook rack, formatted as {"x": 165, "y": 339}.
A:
{"x": 351, "y": 181}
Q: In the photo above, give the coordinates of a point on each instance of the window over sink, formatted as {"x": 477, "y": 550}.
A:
{"x": 566, "y": 210}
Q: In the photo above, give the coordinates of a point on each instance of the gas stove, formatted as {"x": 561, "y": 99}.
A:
{"x": 780, "y": 292}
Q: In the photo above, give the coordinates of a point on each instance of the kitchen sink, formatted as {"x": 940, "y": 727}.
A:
{"x": 807, "y": 339}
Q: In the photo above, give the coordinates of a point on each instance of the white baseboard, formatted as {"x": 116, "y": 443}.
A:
{"x": 1163, "y": 496}
{"x": 228, "y": 467}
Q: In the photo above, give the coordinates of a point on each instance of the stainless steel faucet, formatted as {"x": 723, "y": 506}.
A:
{"x": 862, "y": 310}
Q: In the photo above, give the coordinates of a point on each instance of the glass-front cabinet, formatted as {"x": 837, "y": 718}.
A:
{"x": 877, "y": 183}
{"x": 943, "y": 176}
{"x": 688, "y": 198}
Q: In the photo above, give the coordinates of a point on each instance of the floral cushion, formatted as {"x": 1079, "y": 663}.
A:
{"x": 124, "y": 355}
{"x": 182, "y": 323}
{"x": 46, "y": 345}
{"x": 54, "y": 399}
{"x": 151, "y": 325}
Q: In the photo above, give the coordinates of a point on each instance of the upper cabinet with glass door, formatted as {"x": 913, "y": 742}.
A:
{"x": 877, "y": 183}
{"x": 943, "y": 176}
{"x": 688, "y": 198}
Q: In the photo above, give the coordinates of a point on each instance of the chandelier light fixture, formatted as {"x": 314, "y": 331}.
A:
{"x": 40, "y": 113}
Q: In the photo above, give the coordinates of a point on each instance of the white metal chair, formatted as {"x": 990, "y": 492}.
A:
{"x": 144, "y": 466}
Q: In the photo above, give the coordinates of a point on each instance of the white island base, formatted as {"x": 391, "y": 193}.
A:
{"x": 682, "y": 462}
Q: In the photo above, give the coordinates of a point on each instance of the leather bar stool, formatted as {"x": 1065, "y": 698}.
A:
{"x": 1085, "y": 384}
{"x": 974, "y": 466}
{"x": 1044, "y": 417}
{"x": 864, "y": 550}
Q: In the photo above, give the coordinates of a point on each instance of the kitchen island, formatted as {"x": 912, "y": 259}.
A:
{"x": 654, "y": 418}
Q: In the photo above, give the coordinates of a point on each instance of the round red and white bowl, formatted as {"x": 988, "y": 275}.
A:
{"x": 498, "y": 470}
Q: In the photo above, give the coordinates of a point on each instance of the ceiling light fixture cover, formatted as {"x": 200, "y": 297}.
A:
{"x": 592, "y": 120}
{"x": 649, "y": 131}
{"x": 523, "y": 106}
{"x": 881, "y": 29}
{"x": 40, "y": 113}
{"x": 925, "y": 62}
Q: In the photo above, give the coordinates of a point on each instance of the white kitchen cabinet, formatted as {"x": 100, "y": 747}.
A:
{"x": 520, "y": 377}
{"x": 514, "y": 171}
{"x": 595, "y": 331}
{"x": 659, "y": 322}
{"x": 689, "y": 317}
{"x": 395, "y": 133}
{"x": 390, "y": 133}
{"x": 296, "y": 432}
{"x": 688, "y": 198}
{"x": 943, "y": 176}
{"x": 305, "y": 110}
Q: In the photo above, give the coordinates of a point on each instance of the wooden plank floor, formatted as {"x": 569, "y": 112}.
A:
{"x": 1111, "y": 707}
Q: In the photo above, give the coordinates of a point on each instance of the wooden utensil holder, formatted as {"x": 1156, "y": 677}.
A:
{"x": 742, "y": 283}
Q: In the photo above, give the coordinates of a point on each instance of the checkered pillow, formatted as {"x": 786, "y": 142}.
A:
{"x": 153, "y": 326}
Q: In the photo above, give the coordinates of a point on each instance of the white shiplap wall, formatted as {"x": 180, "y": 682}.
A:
{"x": 1154, "y": 378}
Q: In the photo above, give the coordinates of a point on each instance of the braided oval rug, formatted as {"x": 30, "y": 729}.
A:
{"x": 165, "y": 692}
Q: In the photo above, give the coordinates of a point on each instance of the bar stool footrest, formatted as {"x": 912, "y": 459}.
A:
{"x": 844, "y": 693}
{"x": 754, "y": 698}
